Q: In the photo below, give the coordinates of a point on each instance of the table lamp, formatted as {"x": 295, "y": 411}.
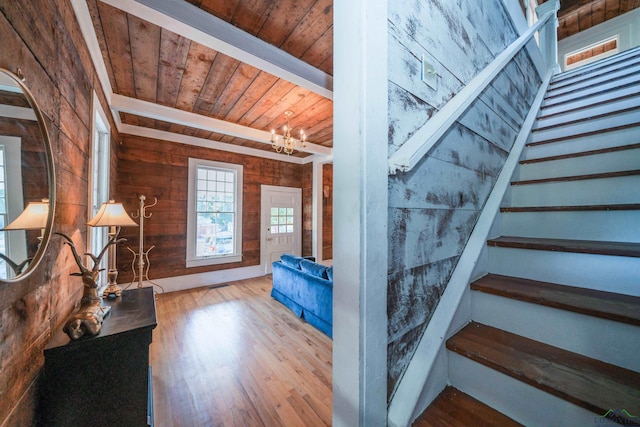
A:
{"x": 112, "y": 215}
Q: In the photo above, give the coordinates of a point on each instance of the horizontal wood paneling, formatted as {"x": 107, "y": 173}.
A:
{"x": 160, "y": 169}
{"x": 434, "y": 207}
{"x": 42, "y": 38}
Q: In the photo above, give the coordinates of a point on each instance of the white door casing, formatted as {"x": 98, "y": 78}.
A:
{"x": 281, "y": 223}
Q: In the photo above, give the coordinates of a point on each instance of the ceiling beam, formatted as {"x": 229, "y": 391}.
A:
{"x": 151, "y": 110}
{"x": 195, "y": 24}
{"x": 206, "y": 143}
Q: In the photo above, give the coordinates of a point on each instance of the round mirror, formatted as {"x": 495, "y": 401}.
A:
{"x": 27, "y": 187}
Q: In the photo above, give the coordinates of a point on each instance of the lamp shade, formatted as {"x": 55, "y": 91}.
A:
{"x": 34, "y": 217}
{"x": 111, "y": 214}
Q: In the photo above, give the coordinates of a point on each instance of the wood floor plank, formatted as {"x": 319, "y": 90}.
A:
{"x": 233, "y": 356}
{"x": 453, "y": 408}
{"x": 589, "y": 383}
{"x": 607, "y": 305}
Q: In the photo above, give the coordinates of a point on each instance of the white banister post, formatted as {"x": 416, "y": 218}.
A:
{"x": 549, "y": 34}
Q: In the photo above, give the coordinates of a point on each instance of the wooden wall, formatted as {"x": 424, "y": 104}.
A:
{"x": 327, "y": 211}
{"x": 160, "y": 169}
{"x": 307, "y": 209}
{"x": 42, "y": 38}
{"x": 434, "y": 207}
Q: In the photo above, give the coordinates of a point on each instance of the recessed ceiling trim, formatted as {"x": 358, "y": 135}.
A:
{"x": 206, "y": 143}
{"x": 151, "y": 110}
{"x": 195, "y": 24}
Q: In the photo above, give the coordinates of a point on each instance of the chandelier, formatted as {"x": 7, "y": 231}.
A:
{"x": 286, "y": 142}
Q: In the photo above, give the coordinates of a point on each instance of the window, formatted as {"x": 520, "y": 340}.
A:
{"x": 281, "y": 220}
{"x": 214, "y": 222}
{"x": 99, "y": 181}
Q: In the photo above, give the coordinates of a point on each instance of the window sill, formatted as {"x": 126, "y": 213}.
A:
{"x": 199, "y": 262}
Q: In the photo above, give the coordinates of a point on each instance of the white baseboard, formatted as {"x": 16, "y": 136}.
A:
{"x": 197, "y": 280}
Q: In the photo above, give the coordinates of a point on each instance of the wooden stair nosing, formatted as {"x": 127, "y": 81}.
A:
{"x": 591, "y": 302}
{"x": 601, "y": 175}
{"x": 581, "y": 154}
{"x": 455, "y": 408}
{"x": 580, "y": 135}
{"x": 594, "y": 247}
{"x": 584, "y": 119}
{"x": 589, "y": 383}
{"x": 617, "y": 207}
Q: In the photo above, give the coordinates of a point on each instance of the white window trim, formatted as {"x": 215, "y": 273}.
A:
{"x": 191, "y": 259}
{"x": 100, "y": 131}
{"x": 594, "y": 58}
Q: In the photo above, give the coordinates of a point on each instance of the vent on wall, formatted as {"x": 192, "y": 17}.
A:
{"x": 592, "y": 53}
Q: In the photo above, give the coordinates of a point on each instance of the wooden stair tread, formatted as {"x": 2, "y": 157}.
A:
{"x": 581, "y": 154}
{"x": 455, "y": 408}
{"x": 566, "y": 245}
{"x": 586, "y": 382}
{"x": 602, "y": 175}
{"x": 606, "y": 305}
{"x": 618, "y": 207}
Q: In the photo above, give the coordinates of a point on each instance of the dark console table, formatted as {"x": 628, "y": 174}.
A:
{"x": 103, "y": 380}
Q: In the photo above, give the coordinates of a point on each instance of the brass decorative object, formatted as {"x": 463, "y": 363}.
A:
{"x": 87, "y": 319}
{"x": 286, "y": 142}
{"x": 141, "y": 258}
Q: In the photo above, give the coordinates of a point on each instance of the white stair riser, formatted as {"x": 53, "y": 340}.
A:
{"x": 598, "y": 163}
{"x": 523, "y": 403}
{"x": 595, "y": 125}
{"x": 613, "y": 342}
{"x": 603, "y": 272}
{"x": 613, "y": 226}
{"x": 617, "y": 190}
{"x": 595, "y": 80}
{"x": 592, "y": 100}
{"x": 599, "y": 141}
{"x": 606, "y": 65}
{"x": 587, "y": 113}
{"x": 600, "y": 89}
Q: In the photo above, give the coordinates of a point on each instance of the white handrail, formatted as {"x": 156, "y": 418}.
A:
{"x": 428, "y": 135}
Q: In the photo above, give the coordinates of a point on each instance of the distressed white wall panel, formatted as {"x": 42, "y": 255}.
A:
{"x": 424, "y": 236}
{"x": 407, "y": 114}
{"x": 485, "y": 19}
{"x": 488, "y": 124}
{"x": 439, "y": 185}
{"x": 467, "y": 149}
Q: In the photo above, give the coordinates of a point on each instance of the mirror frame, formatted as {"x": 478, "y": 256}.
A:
{"x": 48, "y": 231}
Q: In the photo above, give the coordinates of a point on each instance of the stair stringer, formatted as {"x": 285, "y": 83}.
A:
{"x": 423, "y": 379}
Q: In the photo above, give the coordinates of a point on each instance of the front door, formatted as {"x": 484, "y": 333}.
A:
{"x": 281, "y": 229}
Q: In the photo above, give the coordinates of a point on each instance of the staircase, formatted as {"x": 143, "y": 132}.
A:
{"x": 554, "y": 337}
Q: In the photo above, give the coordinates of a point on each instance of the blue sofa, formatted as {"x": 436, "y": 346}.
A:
{"x": 306, "y": 288}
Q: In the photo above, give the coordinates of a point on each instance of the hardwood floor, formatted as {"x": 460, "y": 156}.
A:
{"x": 233, "y": 356}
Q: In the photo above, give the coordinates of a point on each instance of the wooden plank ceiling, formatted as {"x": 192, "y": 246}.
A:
{"x": 153, "y": 64}
{"x": 145, "y": 61}
{"x": 578, "y": 15}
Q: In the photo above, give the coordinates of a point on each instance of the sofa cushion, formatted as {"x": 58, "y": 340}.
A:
{"x": 330, "y": 273}
{"x": 291, "y": 260}
{"x": 313, "y": 268}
